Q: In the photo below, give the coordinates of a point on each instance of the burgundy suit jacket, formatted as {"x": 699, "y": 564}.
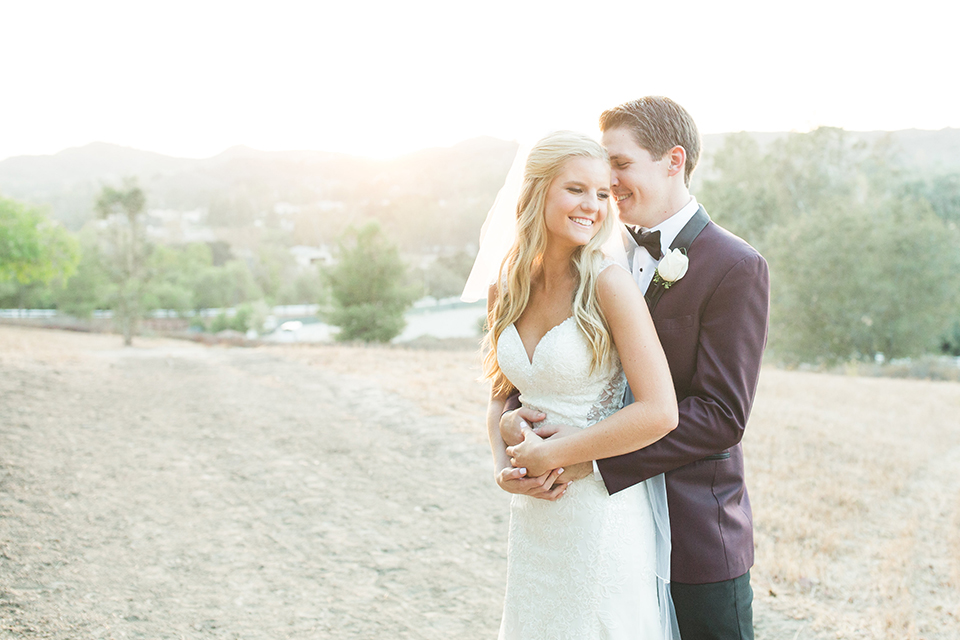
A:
{"x": 712, "y": 324}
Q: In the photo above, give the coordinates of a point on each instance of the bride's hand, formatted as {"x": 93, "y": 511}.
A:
{"x": 545, "y": 487}
{"x": 510, "y": 423}
{"x": 530, "y": 453}
{"x": 553, "y": 431}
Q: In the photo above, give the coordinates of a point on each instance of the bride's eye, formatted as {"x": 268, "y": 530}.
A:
{"x": 574, "y": 190}
{"x": 603, "y": 196}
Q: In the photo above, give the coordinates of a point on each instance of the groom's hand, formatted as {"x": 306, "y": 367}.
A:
{"x": 511, "y": 429}
{"x": 546, "y": 431}
{"x": 545, "y": 487}
{"x": 573, "y": 471}
{"x": 577, "y": 471}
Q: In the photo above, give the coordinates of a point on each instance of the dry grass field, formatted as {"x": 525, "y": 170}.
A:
{"x": 173, "y": 490}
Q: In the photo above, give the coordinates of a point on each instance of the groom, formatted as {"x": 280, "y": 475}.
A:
{"x": 712, "y": 323}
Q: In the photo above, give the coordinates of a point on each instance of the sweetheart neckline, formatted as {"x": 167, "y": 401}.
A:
{"x": 531, "y": 357}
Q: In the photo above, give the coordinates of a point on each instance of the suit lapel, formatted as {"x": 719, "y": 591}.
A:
{"x": 683, "y": 241}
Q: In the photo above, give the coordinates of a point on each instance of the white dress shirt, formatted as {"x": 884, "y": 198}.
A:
{"x": 642, "y": 264}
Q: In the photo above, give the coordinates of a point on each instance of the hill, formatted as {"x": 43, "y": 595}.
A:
{"x": 435, "y": 197}
{"x": 915, "y": 149}
{"x": 429, "y": 197}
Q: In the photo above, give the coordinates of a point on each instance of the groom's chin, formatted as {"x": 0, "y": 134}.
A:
{"x": 635, "y": 216}
{"x": 627, "y": 218}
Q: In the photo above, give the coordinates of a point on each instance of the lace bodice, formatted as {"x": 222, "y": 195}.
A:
{"x": 558, "y": 380}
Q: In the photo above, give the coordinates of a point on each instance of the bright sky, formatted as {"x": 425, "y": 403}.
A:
{"x": 384, "y": 78}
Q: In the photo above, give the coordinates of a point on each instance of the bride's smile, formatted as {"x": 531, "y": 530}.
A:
{"x": 577, "y": 202}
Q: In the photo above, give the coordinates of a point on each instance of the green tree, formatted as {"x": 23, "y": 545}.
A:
{"x": 751, "y": 191}
{"x": 447, "y": 275}
{"x": 90, "y": 287}
{"x": 33, "y": 249}
{"x": 942, "y": 192}
{"x": 273, "y": 268}
{"x": 226, "y": 286}
{"x": 813, "y": 171}
{"x": 249, "y": 315}
{"x": 125, "y": 251}
{"x": 853, "y": 282}
{"x": 367, "y": 287}
{"x": 861, "y": 263}
{"x": 306, "y": 286}
{"x": 29, "y": 296}
{"x": 951, "y": 341}
{"x": 174, "y": 274}
{"x": 740, "y": 196}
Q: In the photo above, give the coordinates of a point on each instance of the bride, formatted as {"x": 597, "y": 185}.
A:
{"x": 569, "y": 329}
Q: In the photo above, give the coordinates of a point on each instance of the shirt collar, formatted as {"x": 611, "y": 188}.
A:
{"x": 670, "y": 228}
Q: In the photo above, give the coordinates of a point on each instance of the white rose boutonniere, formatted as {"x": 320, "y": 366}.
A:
{"x": 672, "y": 267}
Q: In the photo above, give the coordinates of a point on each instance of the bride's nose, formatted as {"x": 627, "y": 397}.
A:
{"x": 590, "y": 202}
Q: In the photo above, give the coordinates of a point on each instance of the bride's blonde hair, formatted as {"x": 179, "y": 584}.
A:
{"x": 546, "y": 161}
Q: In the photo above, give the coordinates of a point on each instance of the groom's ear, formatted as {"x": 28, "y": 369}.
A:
{"x": 677, "y": 157}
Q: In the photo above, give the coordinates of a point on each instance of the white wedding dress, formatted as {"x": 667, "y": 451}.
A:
{"x": 582, "y": 567}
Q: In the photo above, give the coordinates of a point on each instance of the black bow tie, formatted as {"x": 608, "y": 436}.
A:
{"x": 649, "y": 240}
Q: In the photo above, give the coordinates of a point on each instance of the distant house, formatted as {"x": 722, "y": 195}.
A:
{"x": 307, "y": 257}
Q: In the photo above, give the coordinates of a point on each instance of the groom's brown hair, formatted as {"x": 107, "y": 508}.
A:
{"x": 658, "y": 124}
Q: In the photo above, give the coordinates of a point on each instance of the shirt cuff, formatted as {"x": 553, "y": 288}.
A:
{"x": 596, "y": 471}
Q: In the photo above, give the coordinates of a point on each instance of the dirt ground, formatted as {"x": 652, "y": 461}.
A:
{"x": 173, "y": 490}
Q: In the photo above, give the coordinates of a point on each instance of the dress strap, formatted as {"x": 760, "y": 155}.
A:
{"x": 609, "y": 262}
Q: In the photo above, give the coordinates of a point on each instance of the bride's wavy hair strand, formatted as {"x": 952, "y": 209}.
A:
{"x": 545, "y": 162}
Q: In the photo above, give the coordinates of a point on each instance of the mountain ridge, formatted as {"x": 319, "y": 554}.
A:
{"x": 431, "y": 197}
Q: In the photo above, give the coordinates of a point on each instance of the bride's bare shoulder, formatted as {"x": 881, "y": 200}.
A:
{"x": 614, "y": 275}
{"x": 616, "y": 287}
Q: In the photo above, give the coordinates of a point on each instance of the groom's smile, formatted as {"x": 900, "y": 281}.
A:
{"x": 640, "y": 183}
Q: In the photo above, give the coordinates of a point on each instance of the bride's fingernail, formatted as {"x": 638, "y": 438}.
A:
{"x": 523, "y": 471}
{"x": 560, "y": 470}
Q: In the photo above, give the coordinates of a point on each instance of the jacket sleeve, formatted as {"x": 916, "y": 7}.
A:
{"x": 714, "y": 411}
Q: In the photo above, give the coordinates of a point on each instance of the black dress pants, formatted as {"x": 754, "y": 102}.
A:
{"x": 716, "y": 610}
